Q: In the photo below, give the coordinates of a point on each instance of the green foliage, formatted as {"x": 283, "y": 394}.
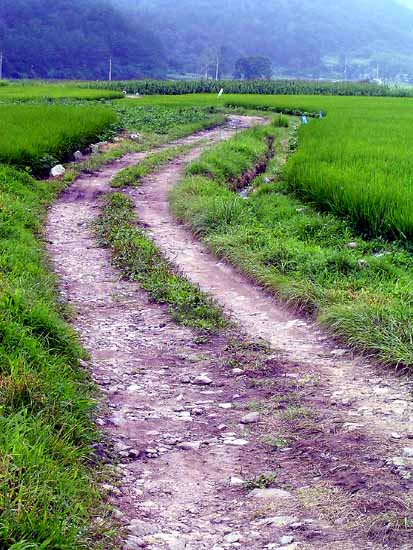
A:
{"x": 263, "y": 481}
{"x": 253, "y": 68}
{"x": 160, "y": 120}
{"x": 360, "y": 168}
{"x": 363, "y": 293}
{"x": 140, "y": 260}
{"x": 35, "y": 136}
{"x": 46, "y": 490}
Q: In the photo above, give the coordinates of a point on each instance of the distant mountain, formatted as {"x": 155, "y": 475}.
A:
{"x": 357, "y": 38}
{"x": 75, "y": 39}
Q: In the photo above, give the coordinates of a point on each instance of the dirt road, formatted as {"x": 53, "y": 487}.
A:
{"x": 226, "y": 444}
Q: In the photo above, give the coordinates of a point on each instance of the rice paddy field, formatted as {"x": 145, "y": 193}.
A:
{"x": 38, "y": 136}
{"x": 29, "y": 90}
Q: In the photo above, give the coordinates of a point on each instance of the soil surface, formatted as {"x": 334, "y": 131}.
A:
{"x": 267, "y": 436}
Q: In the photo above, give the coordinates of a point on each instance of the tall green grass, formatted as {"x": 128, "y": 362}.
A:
{"x": 228, "y": 162}
{"x": 46, "y": 400}
{"x": 38, "y": 136}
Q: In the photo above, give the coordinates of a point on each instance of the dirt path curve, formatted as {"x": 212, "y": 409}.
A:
{"x": 179, "y": 440}
{"x": 379, "y": 399}
{"x": 183, "y": 444}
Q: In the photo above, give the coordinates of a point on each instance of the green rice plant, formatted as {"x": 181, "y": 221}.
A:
{"x": 29, "y": 90}
{"x": 36, "y": 136}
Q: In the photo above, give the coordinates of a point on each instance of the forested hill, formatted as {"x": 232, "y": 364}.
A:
{"x": 74, "y": 39}
{"x": 301, "y": 37}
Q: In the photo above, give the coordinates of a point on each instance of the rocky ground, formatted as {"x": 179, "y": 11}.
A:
{"x": 265, "y": 436}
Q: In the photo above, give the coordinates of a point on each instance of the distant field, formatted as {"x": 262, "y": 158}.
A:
{"x": 37, "y": 136}
{"x": 27, "y": 91}
{"x": 291, "y": 87}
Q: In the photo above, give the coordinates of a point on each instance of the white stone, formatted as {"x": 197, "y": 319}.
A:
{"x": 408, "y": 451}
{"x": 57, "y": 171}
{"x": 278, "y": 521}
{"x": 133, "y": 388}
{"x": 232, "y": 537}
{"x": 202, "y": 380}
{"x": 77, "y": 156}
{"x": 190, "y": 445}
{"x": 236, "y": 482}
{"x": 286, "y": 540}
{"x": 236, "y": 442}
{"x": 270, "y": 494}
{"x": 250, "y": 418}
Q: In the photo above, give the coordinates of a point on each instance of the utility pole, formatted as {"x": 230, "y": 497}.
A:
{"x": 345, "y": 68}
{"x": 217, "y": 67}
{"x": 1, "y": 65}
{"x": 110, "y": 68}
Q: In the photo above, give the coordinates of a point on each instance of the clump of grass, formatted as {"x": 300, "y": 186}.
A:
{"x": 228, "y": 162}
{"x": 132, "y": 175}
{"x": 263, "y": 481}
{"x": 141, "y": 260}
{"x": 47, "y": 492}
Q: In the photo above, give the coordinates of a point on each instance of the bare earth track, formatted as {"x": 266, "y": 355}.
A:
{"x": 333, "y": 430}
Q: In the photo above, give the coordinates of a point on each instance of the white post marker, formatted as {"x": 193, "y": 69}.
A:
{"x": 221, "y": 91}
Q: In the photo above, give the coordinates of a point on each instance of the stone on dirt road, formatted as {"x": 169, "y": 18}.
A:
{"x": 232, "y": 537}
{"x": 236, "y": 482}
{"x": 251, "y": 418}
{"x": 278, "y": 521}
{"x": 190, "y": 445}
{"x": 77, "y": 156}
{"x": 270, "y": 494}
{"x": 286, "y": 540}
{"x": 202, "y": 380}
